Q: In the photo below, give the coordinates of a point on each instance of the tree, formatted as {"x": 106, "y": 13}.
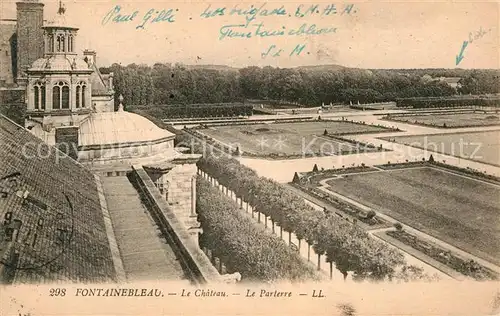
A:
{"x": 371, "y": 214}
{"x": 398, "y": 226}
{"x": 431, "y": 158}
{"x": 315, "y": 168}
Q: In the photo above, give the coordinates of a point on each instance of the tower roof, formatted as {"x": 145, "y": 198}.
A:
{"x": 60, "y": 63}
{"x": 60, "y": 21}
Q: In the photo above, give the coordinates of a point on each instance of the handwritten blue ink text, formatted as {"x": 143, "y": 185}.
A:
{"x": 258, "y": 30}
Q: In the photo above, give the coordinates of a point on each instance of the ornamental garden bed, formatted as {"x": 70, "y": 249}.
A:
{"x": 368, "y": 147}
{"x": 467, "y": 267}
{"x": 312, "y": 178}
{"x": 448, "y": 120}
{"x": 445, "y": 202}
{"x": 295, "y": 140}
{"x": 371, "y": 220}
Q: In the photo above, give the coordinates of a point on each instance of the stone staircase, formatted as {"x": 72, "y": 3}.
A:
{"x": 145, "y": 253}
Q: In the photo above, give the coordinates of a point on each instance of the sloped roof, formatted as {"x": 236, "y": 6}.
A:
{"x": 60, "y": 63}
{"x": 97, "y": 80}
{"x": 54, "y": 202}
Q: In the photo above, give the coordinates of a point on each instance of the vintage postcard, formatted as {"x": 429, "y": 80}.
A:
{"x": 249, "y": 158}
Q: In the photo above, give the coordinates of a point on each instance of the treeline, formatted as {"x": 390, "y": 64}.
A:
{"x": 174, "y": 84}
{"x": 310, "y": 86}
{"x": 480, "y": 82}
{"x": 313, "y": 86}
{"x": 347, "y": 246}
{"x": 244, "y": 247}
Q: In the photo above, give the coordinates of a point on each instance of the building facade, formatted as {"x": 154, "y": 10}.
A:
{"x": 70, "y": 105}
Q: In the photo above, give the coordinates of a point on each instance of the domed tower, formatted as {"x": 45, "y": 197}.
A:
{"x": 59, "y": 88}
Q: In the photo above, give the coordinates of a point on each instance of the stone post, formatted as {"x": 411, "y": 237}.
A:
{"x": 193, "y": 196}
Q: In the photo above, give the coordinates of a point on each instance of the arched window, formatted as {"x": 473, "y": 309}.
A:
{"x": 50, "y": 43}
{"x": 84, "y": 91}
{"x": 70, "y": 43}
{"x": 37, "y": 97}
{"x": 65, "y": 97}
{"x": 60, "y": 43}
{"x": 81, "y": 89}
{"x": 78, "y": 95}
{"x": 60, "y": 96}
{"x": 39, "y": 94}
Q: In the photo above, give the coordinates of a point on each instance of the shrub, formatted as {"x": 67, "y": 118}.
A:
{"x": 315, "y": 168}
{"x": 371, "y": 214}
{"x": 237, "y": 151}
{"x": 398, "y": 226}
{"x": 325, "y": 132}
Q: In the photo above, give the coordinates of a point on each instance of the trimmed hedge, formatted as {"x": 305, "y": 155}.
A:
{"x": 198, "y": 110}
{"x": 448, "y": 102}
{"x": 346, "y": 245}
{"x": 243, "y": 246}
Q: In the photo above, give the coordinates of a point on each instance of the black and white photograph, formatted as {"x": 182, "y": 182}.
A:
{"x": 249, "y": 158}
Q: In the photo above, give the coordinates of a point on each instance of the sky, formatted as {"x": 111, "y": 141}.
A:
{"x": 374, "y": 34}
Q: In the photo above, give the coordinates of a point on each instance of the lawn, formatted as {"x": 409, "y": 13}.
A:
{"x": 478, "y": 146}
{"x": 451, "y": 120}
{"x": 290, "y": 138}
{"x": 459, "y": 210}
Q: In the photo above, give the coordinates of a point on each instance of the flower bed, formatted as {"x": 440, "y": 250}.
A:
{"x": 314, "y": 177}
{"x": 344, "y": 207}
{"x": 355, "y": 142}
{"x": 382, "y": 128}
{"x": 403, "y": 165}
{"x": 466, "y": 267}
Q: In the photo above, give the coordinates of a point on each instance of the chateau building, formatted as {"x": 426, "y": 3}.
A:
{"x": 70, "y": 105}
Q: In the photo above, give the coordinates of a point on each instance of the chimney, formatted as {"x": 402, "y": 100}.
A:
{"x": 30, "y": 38}
{"x": 90, "y": 55}
{"x": 110, "y": 78}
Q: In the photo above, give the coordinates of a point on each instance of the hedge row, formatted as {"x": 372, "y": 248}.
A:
{"x": 241, "y": 245}
{"x": 346, "y": 245}
{"x": 197, "y": 111}
{"x": 448, "y": 102}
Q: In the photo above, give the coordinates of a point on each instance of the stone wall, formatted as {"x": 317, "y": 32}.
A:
{"x": 181, "y": 182}
{"x": 103, "y": 103}
{"x": 191, "y": 256}
{"x": 8, "y": 44}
